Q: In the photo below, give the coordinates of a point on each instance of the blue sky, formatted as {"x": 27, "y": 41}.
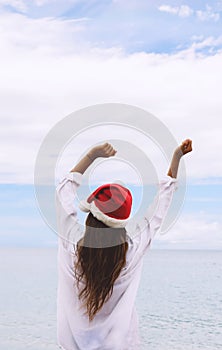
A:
{"x": 59, "y": 56}
{"x": 150, "y": 26}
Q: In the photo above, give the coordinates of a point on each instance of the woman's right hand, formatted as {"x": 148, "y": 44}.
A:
{"x": 186, "y": 146}
{"x": 105, "y": 151}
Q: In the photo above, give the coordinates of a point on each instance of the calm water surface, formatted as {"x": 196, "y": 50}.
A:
{"x": 179, "y": 301}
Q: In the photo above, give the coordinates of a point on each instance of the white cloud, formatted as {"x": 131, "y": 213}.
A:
{"x": 207, "y": 181}
{"x": 193, "y": 231}
{"x": 16, "y": 4}
{"x": 208, "y": 14}
{"x": 47, "y": 73}
{"x": 20, "y": 33}
{"x": 42, "y": 2}
{"x": 168, "y": 9}
{"x": 185, "y": 11}
{"x": 46, "y": 2}
{"x": 22, "y": 5}
{"x": 209, "y": 42}
{"x": 181, "y": 11}
{"x": 115, "y": 168}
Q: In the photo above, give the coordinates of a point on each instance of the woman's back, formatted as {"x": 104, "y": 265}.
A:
{"x": 83, "y": 322}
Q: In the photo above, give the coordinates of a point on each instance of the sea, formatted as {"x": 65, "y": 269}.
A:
{"x": 179, "y": 300}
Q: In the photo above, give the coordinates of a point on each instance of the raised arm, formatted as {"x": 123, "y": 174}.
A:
{"x": 156, "y": 213}
{"x": 68, "y": 225}
{"x": 105, "y": 151}
{"x": 167, "y": 187}
{"x": 67, "y": 187}
{"x": 184, "y": 148}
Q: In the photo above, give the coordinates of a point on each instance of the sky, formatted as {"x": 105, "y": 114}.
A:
{"x": 60, "y": 56}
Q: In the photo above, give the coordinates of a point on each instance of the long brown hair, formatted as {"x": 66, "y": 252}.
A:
{"x": 101, "y": 255}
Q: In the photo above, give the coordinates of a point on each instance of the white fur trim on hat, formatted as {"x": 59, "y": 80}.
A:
{"x": 99, "y": 215}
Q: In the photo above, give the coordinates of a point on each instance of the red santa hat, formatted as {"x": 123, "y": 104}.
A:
{"x": 109, "y": 203}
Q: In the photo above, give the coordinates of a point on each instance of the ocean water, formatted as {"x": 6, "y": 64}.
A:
{"x": 179, "y": 301}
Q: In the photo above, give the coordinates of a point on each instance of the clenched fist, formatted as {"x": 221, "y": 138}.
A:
{"x": 106, "y": 150}
{"x": 186, "y": 146}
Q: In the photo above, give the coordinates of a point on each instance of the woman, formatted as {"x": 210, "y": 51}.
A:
{"x": 99, "y": 276}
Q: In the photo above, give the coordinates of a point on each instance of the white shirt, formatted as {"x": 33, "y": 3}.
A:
{"x": 115, "y": 326}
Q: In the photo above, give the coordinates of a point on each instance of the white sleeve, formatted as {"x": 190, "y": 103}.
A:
{"x": 146, "y": 228}
{"x": 69, "y": 228}
{"x": 157, "y": 211}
